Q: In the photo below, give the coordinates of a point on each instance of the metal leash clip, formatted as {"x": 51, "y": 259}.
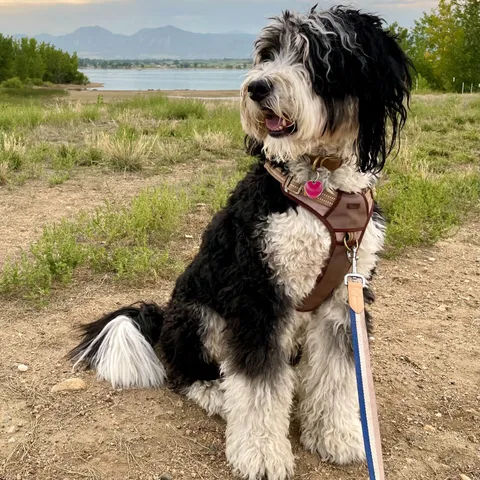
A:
{"x": 353, "y": 257}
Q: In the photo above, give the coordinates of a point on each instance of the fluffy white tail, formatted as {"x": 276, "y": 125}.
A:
{"x": 122, "y": 355}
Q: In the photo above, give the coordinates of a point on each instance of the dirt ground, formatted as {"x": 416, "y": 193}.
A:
{"x": 426, "y": 357}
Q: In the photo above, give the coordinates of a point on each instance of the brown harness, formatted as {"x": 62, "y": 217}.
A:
{"x": 345, "y": 215}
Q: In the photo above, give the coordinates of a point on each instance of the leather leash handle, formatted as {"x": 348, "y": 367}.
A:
{"x": 363, "y": 371}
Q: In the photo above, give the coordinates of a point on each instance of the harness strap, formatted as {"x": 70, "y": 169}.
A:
{"x": 345, "y": 215}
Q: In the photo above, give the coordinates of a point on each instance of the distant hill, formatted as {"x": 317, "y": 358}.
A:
{"x": 153, "y": 43}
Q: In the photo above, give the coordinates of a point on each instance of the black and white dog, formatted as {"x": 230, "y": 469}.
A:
{"x": 323, "y": 84}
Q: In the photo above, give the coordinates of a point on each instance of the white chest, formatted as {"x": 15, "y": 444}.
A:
{"x": 296, "y": 247}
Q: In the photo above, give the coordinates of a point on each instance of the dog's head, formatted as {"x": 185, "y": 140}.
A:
{"x": 326, "y": 82}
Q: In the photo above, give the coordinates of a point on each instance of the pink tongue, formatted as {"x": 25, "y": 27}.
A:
{"x": 273, "y": 122}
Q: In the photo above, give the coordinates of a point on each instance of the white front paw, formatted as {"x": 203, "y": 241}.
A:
{"x": 335, "y": 445}
{"x": 255, "y": 458}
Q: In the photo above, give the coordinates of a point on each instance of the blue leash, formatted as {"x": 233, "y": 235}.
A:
{"x": 366, "y": 392}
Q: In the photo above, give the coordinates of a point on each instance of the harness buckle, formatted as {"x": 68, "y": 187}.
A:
{"x": 355, "y": 277}
{"x": 287, "y": 186}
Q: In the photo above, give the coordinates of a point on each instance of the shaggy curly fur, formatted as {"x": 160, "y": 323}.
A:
{"x": 325, "y": 83}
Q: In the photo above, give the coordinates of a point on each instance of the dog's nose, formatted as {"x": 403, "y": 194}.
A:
{"x": 258, "y": 90}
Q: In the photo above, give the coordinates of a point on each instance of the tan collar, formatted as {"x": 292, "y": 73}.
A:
{"x": 329, "y": 162}
{"x": 292, "y": 187}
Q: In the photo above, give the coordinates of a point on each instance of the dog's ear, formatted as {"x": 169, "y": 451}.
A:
{"x": 252, "y": 146}
{"x": 382, "y": 88}
{"x": 359, "y": 61}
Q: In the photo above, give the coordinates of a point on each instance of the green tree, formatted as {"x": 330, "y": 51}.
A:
{"x": 6, "y": 58}
{"x": 445, "y": 44}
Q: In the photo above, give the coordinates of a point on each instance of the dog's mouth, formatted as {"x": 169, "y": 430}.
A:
{"x": 278, "y": 126}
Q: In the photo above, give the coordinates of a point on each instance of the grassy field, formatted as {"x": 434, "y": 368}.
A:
{"x": 430, "y": 187}
{"x": 104, "y": 203}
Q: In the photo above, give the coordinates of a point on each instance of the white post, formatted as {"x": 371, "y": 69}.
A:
{"x": 463, "y": 87}
{"x": 416, "y": 88}
{"x": 471, "y": 88}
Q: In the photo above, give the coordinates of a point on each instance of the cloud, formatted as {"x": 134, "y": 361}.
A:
{"x": 128, "y": 16}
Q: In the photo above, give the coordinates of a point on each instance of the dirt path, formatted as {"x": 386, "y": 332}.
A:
{"x": 426, "y": 360}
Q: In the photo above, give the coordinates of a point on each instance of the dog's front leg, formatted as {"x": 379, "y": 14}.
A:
{"x": 258, "y": 411}
{"x": 329, "y": 411}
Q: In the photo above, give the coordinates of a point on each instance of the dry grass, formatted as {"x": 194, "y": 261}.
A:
{"x": 4, "y": 173}
{"x": 124, "y": 151}
{"x": 213, "y": 141}
{"x": 13, "y": 144}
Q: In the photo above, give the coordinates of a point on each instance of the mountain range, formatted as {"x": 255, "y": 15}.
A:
{"x": 153, "y": 43}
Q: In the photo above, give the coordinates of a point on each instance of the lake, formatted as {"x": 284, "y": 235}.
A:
{"x": 167, "y": 79}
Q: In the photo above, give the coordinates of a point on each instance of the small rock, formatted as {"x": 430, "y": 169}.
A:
{"x": 22, "y": 367}
{"x": 11, "y": 440}
{"x": 188, "y": 236}
{"x": 464, "y": 477}
{"x": 166, "y": 476}
{"x": 71, "y": 384}
{"x": 431, "y": 259}
{"x": 12, "y": 429}
{"x": 442, "y": 308}
{"x": 438, "y": 414}
{"x": 429, "y": 428}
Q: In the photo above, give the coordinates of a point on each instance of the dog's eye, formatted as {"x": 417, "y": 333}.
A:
{"x": 267, "y": 56}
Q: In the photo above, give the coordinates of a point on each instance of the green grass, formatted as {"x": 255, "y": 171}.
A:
{"x": 429, "y": 188}
{"x": 130, "y": 135}
{"x": 130, "y": 242}
{"x": 22, "y": 95}
{"x": 434, "y": 183}
{"x": 126, "y": 241}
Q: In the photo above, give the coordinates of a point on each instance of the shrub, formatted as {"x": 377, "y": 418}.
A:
{"x": 14, "y": 82}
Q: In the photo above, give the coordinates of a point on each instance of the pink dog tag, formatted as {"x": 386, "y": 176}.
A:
{"x": 313, "y": 189}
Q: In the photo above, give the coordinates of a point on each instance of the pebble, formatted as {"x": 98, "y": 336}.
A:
{"x": 11, "y": 440}
{"x": 429, "y": 428}
{"x": 22, "y": 367}
{"x": 12, "y": 429}
{"x": 166, "y": 476}
{"x": 464, "y": 477}
{"x": 71, "y": 384}
{"x": 438, "y": 414}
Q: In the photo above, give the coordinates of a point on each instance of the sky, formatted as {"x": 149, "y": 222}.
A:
{"x": 59, "y": 17}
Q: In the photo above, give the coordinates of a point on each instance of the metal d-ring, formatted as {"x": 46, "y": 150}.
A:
{"x": 315, "y": 165}
{"x": 346, "y": 239}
